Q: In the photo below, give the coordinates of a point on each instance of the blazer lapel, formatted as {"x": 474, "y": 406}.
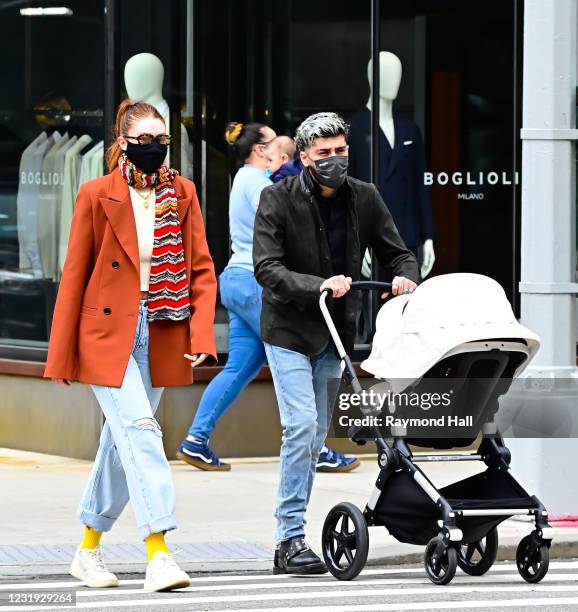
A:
{"x": 183, "y": 205}
{"x": 121, "y": 218}
{"x": 397, "y": 151}
{"x": 118, "y": 210}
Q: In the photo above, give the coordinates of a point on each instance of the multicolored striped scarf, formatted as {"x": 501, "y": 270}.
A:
{"x": 168, "y": 287}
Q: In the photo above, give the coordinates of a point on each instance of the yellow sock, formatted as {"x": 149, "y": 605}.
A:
{"x": 154, "y": 543}
{"x": 91, "y": 538}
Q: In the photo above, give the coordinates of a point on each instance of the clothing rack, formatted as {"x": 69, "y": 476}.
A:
{"x": 62, "y": 118}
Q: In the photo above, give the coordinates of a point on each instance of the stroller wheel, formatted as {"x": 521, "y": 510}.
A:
{"x": 345, "y": 541}
{"x": 532, "y": 558}
{"x": 441, "y": 561}
{"x": 476, "y": 558}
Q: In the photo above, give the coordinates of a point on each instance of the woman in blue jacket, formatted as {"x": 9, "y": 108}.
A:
{"x": 240, "y": 294}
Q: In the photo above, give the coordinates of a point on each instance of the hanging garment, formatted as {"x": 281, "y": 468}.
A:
{"x": 72, "y": 161}
{"x": 97, "y": 162}
{"x": 49, "y": 208}
{"x": 89, "y": 166}
{"x": 25, "y": 200}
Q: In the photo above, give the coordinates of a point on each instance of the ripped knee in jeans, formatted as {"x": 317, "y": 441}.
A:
{"x": 148, "y": 423}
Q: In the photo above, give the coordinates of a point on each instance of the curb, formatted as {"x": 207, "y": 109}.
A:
{"x": 38, "y": 572}
{"x": 507, "y": 552}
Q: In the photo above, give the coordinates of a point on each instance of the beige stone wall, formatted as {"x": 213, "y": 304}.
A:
{"x": 39, "y": 416}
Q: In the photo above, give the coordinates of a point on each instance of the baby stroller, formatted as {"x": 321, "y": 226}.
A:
{"x": 461, "y": 326}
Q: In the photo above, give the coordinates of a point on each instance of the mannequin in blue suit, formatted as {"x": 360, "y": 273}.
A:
{"x": 402, "y": 162}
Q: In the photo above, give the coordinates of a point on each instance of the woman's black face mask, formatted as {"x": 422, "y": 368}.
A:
{"x": 147, "y": 158}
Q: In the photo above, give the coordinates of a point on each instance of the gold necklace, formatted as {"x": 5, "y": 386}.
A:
{"x": 146, "y": 197}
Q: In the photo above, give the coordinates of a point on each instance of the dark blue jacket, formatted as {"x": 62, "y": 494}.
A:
{"x": 401, "y": 174}
{"x": 290, "y": 168}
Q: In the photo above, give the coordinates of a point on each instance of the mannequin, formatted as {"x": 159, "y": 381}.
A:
{"x": 389, "y": 81}
{"x": 402, "y": 164}
{"x": 144, "y": 75}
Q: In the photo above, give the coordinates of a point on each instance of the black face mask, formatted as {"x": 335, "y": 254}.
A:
{"x": 147, "y": 158}
{"x": 331, "y": 171}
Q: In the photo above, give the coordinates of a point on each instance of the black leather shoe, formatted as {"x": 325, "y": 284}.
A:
{"x": 295, "y": 557}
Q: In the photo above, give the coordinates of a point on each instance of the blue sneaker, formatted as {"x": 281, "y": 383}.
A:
{"x": 332, "y": 461}
{"x": 200, "y": 455}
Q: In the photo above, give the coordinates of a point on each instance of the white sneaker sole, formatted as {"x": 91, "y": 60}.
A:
{"x": 179, "y": 582}
{"x": 76, "y": 571}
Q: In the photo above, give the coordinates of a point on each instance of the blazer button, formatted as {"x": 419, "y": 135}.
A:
{"x": 107, "y": 311}
{"x": 115, "y": 265}
{"x": 326, "y": 259}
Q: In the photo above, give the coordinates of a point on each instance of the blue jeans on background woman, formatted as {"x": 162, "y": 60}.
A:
{"x": 241, "y": 296}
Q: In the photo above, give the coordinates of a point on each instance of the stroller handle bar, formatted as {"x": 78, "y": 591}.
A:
{"x": 365, "y": 286}
{"x": 371, "y": 286}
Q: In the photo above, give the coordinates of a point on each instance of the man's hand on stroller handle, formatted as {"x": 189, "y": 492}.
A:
{"x": 339, "y": 285}
{"x": 400, "y": 285}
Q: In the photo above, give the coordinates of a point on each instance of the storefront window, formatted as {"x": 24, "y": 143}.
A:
{"x": 51, "y": 141}
{"x": 449, "y": 114}
{"x": 274, "y": 63}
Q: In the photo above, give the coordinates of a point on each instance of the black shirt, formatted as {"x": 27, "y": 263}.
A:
{"x": 333, "y": 213}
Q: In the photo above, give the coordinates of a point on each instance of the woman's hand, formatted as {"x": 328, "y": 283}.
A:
{"x": 401, "y": 285}
{"x": 64, "y": 382}
{"x": 196, "y": 359}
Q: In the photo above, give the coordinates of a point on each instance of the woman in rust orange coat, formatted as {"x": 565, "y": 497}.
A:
{"x": 134, "y": 314}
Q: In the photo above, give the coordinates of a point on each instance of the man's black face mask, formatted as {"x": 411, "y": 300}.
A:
{"x": 331, "y": 171}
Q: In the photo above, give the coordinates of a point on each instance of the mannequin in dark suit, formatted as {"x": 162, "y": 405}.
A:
{"x": 402, "y": 161}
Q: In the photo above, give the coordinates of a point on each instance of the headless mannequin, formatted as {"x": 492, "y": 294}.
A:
{"x": 144, "y": 74}
{"x": 390, "y": 71}
{"x": 389, "y": 82}
{"x": 143, "y": 78}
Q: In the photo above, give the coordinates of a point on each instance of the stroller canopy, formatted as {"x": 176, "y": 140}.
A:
{"x": 414, "y": 332}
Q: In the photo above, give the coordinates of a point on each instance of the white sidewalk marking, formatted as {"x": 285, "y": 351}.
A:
{"x": 506, "y": 568}
{"x": 332, "y": 594}
{"x": 519, "y": 604}
{"x": 461, "y": 581}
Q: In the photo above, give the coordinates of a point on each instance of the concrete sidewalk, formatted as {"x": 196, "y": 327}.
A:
{"x": 225, "y": 519}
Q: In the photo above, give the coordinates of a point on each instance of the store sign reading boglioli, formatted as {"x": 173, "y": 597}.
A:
{"x": 471, "y": 179}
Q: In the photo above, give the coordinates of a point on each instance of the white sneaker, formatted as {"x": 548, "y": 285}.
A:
{"x": 163, "y": 574}
{"x": 89, "y": 567}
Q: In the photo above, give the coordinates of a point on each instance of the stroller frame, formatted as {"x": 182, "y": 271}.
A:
{"x": 462, "y": 531}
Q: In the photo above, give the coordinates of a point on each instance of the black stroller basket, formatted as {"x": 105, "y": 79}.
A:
{"x": 457, "y": 523}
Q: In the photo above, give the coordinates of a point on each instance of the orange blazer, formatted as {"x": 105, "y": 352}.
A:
{"x": 96, "y": 310}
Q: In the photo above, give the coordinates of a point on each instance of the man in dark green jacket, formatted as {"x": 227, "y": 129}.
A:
{"x": 310, "y": 234}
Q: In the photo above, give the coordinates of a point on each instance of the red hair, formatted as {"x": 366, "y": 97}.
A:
{"x": 128, "y": 113}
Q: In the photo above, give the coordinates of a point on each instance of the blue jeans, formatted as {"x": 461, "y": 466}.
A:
{"x": 306, "y": 388}
{"x": 241, "y": 296}
{"x": 131, "y": 462}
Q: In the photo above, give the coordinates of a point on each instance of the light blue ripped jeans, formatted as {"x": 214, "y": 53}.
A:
{"x": 131, "y": 461}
